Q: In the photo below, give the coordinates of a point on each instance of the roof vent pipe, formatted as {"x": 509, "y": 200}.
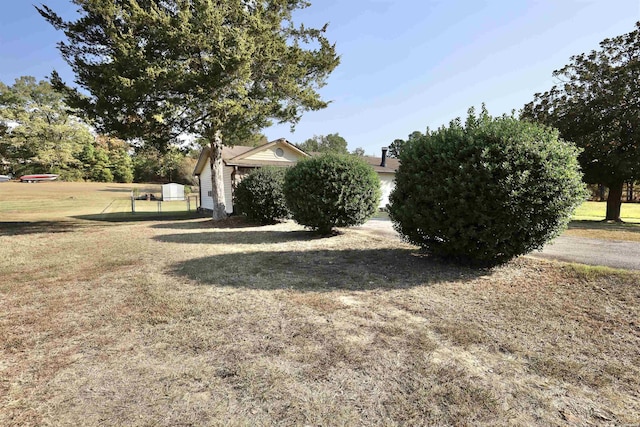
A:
{"x": 383, "y": 163}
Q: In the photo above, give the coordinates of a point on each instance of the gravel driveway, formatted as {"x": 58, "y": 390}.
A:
{"x": 610, "y": 253}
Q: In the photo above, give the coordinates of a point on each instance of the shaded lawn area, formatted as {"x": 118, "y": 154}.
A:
{"x": 187, "y": 323}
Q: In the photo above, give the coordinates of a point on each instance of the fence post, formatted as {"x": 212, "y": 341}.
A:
{"x": 159, "y": 206}
{"x": 133, "y": 203}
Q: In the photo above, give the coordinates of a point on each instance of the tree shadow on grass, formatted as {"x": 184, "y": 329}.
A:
{"x": 239, "y": 237}
{"x": 142, "y": 216}
{"x": 16, "y": 228}
{"x": 602, "y": 225}
{"x": 323, "y": 270}
{"x": 207, "y": 223}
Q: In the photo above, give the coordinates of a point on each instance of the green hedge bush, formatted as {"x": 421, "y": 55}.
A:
{"x": 485, "y": 192}
{"x": 332, "y": 190}
{"x": 259, "y": 196}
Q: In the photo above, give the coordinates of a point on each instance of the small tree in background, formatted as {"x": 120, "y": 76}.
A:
{"x": 332, "y": 143}
{"x": 395, "y": 148}
{"x": 485, "y": 192}
{"x": 359, "y": 151}
{"x": 259, "y": 196}
{"x": 332, "y": 191}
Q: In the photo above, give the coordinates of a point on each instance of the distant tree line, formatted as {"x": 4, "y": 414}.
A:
{"x": 331, "y": 143}
{"x": 39, "y": 133}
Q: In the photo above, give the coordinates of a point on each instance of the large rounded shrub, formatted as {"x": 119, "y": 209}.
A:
{"x": 259, "y": 196}
{"x": 487, "y": 191}
{"x": 332, "y": 191}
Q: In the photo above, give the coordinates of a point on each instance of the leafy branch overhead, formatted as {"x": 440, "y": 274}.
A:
{"x": 154, "y": 69}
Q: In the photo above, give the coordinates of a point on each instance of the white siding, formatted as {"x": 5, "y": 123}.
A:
{"x": 205, "y": 188}
{"x": 387, "y": 184}
{"x": 228, "y": 195}
{"x": 269, "y": 155}
{"x": 205, "y": 184}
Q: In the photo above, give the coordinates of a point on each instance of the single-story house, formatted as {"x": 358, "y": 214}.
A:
{"x": 239, "y": 160}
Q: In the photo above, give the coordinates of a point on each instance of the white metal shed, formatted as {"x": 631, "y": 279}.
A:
{"x": 172, "y": 191}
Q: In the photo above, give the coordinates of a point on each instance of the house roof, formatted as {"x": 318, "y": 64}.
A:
{"x": 227, "y": 154}
{"x": 234, "y": 156}
{"x": 237, "y": 156}
{"x": 280, "y": 141}
{"x": 390, "y": 167}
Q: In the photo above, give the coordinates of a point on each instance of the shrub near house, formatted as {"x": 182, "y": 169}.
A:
{"x": 487, "y": 191}
{"x": 259, "y": 196}
{"x": 332, "y": 191}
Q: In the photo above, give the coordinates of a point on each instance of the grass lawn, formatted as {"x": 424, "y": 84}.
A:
{"x": 89, "y": 200}
{"x": 587, "y": 222}
{"x": 187, "y": 322}
{"x": 595, "y": 211}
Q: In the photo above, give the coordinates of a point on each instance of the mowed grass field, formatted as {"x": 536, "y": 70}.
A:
{"x": 68, "y": 200}
{"x": 587, "y": 222}
{"x": 171, "y": 322}
{"x": 595, "y": 211}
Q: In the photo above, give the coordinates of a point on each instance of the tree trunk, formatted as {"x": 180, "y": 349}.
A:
{"x": 614, "y": 202}
{"x": 601, "y": 192}
{"x": 217, "y": 177}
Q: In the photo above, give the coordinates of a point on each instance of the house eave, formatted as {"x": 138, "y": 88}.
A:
{"x": 203, "y": 160}
{"x": 267, "y": 146}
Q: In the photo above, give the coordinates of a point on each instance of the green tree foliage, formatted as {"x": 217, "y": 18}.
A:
{"x": 486, "y": 191}
{"x": 255, "y": 140}
{"x": 146, "y": 165}
{"x": 122, "y": 165}
{"x": 332, "y": 190}
{"x": 174, "y": 165}
{"x": 395, "y": 148}
{"x": 153, "y": 69}
{"x": 259, "y": 196}
{"x": 100, "y": 171}
{"x": 105, "y": 160}
{"x": 170, "y": 163}
{"x": 596, "y": 104}
{"x": 332, "y": 143}
{"x": 184, "y": 172}
{"x": 38, "y": 134}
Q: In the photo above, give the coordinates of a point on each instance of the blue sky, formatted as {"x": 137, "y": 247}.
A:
{"x": 405, "y": 64}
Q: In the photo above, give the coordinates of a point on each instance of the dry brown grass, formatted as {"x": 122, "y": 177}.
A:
{"x": 604, "y": 230}
{"x": 184, "y": 323}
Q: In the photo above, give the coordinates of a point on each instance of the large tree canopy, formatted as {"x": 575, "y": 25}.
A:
{"x": 596, "y": 104}
{"x": 37, "y": 134}
{"x": 217, "y": 68}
